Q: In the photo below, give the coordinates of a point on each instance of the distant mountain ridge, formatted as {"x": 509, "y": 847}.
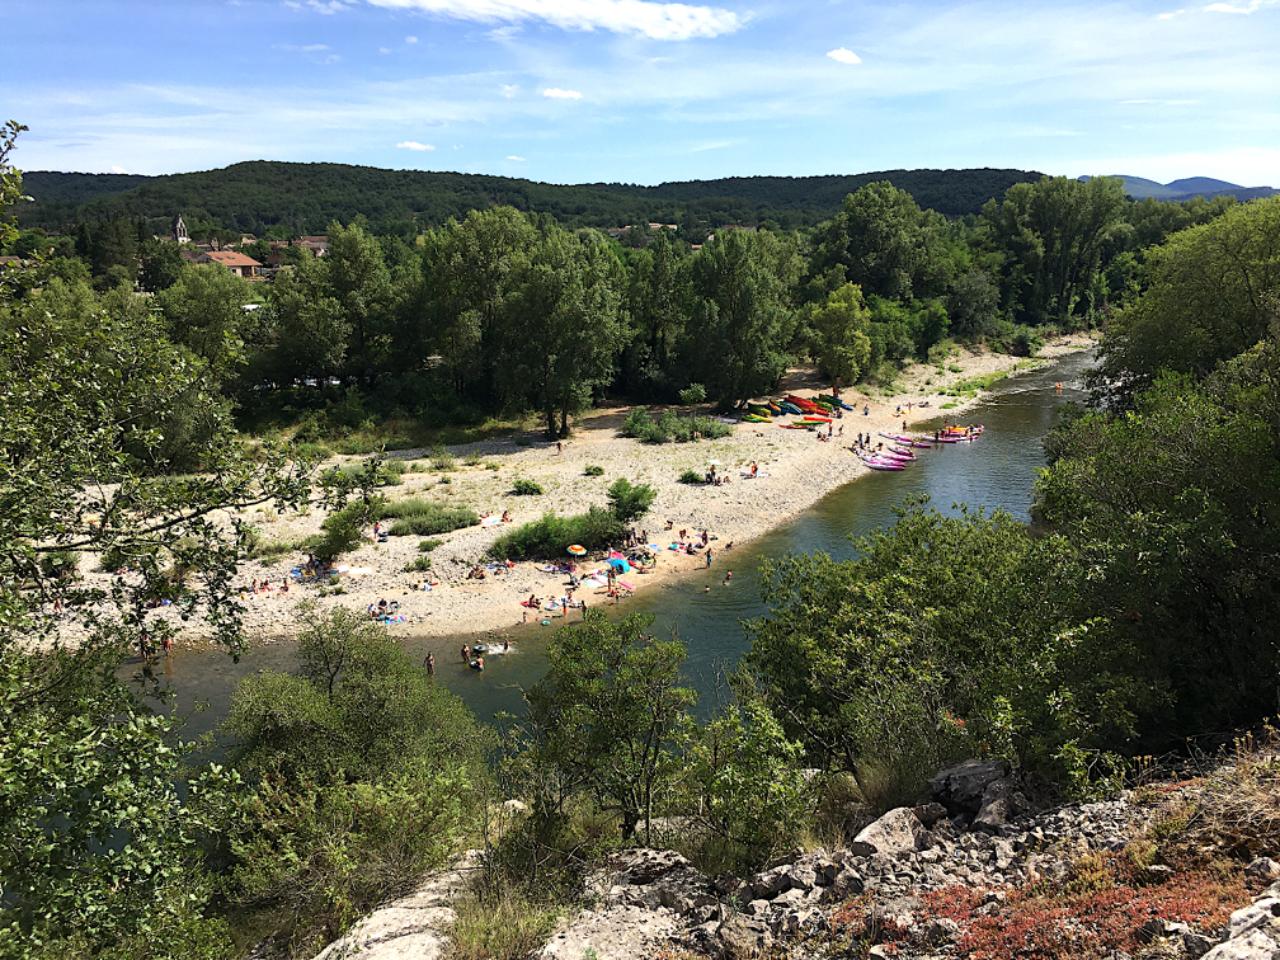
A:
{"x": 1140, "y": 188}
{"x": 305, "y": 197}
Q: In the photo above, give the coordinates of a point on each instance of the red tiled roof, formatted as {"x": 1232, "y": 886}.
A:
{"x": 229, "y": 258}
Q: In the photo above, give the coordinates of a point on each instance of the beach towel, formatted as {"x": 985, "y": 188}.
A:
{"x": 490, "y": 521}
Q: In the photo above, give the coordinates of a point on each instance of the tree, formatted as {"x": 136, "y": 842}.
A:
{"x": 304, "y": 333}
{"x": 204, "y": 310}
{"x": 745, "y": 783}
{"x": 563, "y": 325}
{"x": 658, "y": 305}
{"x": 840, "y": 326}
{"x": 363, "y": 770}
{"x": 101, "y": 841}
{"x": 606, "y": 715}
{"x": 161, "y": 265}
{"x": 1053, "y": 235}
{"x": 356, "y": 276}
{"x": 742, "y": 320}
{"x": 1213, "y": 290}
{"x": 973, "y": 304}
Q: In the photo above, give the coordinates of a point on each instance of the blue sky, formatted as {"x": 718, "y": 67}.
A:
{"x": 645, "y": 91}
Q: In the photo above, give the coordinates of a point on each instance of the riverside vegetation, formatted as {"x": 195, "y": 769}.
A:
{"x": 1141, "y": 614}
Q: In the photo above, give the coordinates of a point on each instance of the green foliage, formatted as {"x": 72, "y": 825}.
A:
{"x": 591, "y": 470}
{"x": 418, "y": 565}
{"x": 523, "y": 487}
{"x": 841, "y": 343}
{"x": 417, "y": 517}
{"x": 426, "y": 546}
{"x": 507, "y": 927}
{"x": 343, "y": 530}
{"x": 1214, "y": 290}
{"x": 692, "y": 477}
{"x": 548, "y": 537}
{"x": 628, "y": 501}
{"x": 604, "y": 718}
{"x": 744, "y": 778}
{"x": 693, "y": 394}
{"x": 670, "y": 426}
{"x": 364, "y": 771}
{"x": 442, "y": 460}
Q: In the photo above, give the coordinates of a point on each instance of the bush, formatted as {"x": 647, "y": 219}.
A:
{"x": 506, "y": 926}
{"x": 593, "y": 471}
{"x": 548, "y": 537}
{"x": 693, "y": 394}
{"x": 426, "y": 546}
{"x": 418, "y": 565}
{"x": 525, "y": 488}
{"x": 343, "y": 530}
{"x": 693, "y": 477}
{"x": 671, "y": 426}
{"x": 415, "y": 516}
{"x": 628, "y": 501}
{"x": 443, "y": 460}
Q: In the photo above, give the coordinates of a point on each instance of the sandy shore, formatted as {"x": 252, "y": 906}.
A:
{"x": 795, "y": 469}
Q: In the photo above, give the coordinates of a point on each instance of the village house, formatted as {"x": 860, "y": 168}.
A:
{"x": 237, "y": 263}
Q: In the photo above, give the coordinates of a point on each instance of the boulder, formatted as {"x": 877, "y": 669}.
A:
{"x": 930, "y": 813}
{"x": 897, "y": 832}
{"x": 743, "y": 938}
{"x": 1263, "y": 869}
{"x": 960, "y": 788}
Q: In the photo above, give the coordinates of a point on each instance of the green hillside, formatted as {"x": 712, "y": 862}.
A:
{"x": 305, "y": 197}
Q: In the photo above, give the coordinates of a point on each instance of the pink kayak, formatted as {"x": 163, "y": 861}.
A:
{"x": 909, "y": 441}
{"x": 883, "y": 464}
{"x": 894, "y": 456}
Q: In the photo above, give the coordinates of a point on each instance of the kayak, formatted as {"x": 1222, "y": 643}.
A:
{"x": 789, "y": 407}
{"x": 882, "y": 465}
{"x": 814, "y": 418}
{"x": 755, "y": 418}
{"x": 895, "y": 456}
{"x": 797, "y": 426}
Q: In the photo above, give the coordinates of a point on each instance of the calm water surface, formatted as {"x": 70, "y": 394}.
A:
{"x": 997, "y": 471}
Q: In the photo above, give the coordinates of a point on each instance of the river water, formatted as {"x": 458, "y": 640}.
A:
{"x": 997, "y": 471}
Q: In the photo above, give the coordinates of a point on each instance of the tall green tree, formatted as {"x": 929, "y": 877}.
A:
{"x": 204, "y": 310}
{"x": 606, "y": 715}
{"x": 563, "y": 325}
{"x": 743, "y": 319}
{"x": 356, "y": 276}
{"x": 841, "y": 341}
{"x": 1213, "y": 291}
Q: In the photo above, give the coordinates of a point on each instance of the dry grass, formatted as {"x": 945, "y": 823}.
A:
{"x": 506, "y": 926}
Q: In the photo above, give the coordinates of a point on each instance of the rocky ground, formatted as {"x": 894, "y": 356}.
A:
{"x": 1176, "y": 869}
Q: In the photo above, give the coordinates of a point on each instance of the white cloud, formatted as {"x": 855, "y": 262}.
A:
{"x": 116, "y": 168}
{"x": 1253, "y": 6}
{"x": 384, "y": 50}
{"x": 844, "y": 55}
{"x": 646, "y": 18}
{"x": 411, "y": 39}
{"x": 559, "y": 93}
{"x": 509, "y": 90}
{"x": 415, "y": 145}
{"x": 326, "y": 7}
{"x": 514, "y": 158}
{"x": 1171, "y": 14}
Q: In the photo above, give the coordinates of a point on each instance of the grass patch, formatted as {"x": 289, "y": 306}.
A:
{"x": 969, "y": 387}
{"x": 443, "y": 460}
{"x": 949, "y": 405}
{"x": 418, "y": 565}
{"x": 417, "y": 517}
{"x": 525, "y": 488}
{"x": 548, "y": 537}
{"x": 593, "y": 471}
{"x": 472, "y": 461}
{"x": 426, "y": 546}
{"x": 278, "y": 548}
{"x": 693, "y": 478}
{"x": 508, "y": 926}
{"x": 671, "y": 426}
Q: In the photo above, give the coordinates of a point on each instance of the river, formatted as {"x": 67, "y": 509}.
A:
{"x": 997, "y": 471}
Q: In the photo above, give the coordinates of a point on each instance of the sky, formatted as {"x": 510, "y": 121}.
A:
{"x": 644, "y": 91}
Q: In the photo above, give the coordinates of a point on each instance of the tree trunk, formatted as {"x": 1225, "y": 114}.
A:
{"x": 551, "y": 423}
{"x": 564, "y": 422}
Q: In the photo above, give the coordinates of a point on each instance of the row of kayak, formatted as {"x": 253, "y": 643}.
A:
{"x": 812, "y": 411}
{"x": 901, "y": 452}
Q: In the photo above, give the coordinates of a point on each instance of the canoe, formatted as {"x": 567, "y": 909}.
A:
{"x": 814, "y": 418}
{"x": 789, "y": 407}
{"x": 755, "y": 418}
{"x": 892, "y": 455}
{"x": 882, "y": 465}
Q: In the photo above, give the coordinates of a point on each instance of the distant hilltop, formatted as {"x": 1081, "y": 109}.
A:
{"x": 1139, "y": 188}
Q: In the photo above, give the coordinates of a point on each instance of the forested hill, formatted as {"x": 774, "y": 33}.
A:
{"x": 305, "y": 197}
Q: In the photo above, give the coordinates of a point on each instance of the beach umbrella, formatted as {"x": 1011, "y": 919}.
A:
{"x": 577, "y": 550}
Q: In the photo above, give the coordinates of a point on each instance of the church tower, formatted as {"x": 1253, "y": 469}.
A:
{"x": 180, "y": 231}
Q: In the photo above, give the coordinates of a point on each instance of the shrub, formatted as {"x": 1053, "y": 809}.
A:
{"x": 548, "y": 537}
{"x": 629, "y": 501}
{"x": 426, "y": 546}
{"x": 442, "y": 459}
{"x": 415, "y": 516}
{"x": 692, "y": 477}
{"x": 525, "y": 488}
{"x": 343, "y": 529}
{"x": 593, "y": 471}
{"x": 418, "y": 565}
{"x": 693, "y": 394}
{"x": 504, "y": 926}
{"x": 472, "y": 461}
